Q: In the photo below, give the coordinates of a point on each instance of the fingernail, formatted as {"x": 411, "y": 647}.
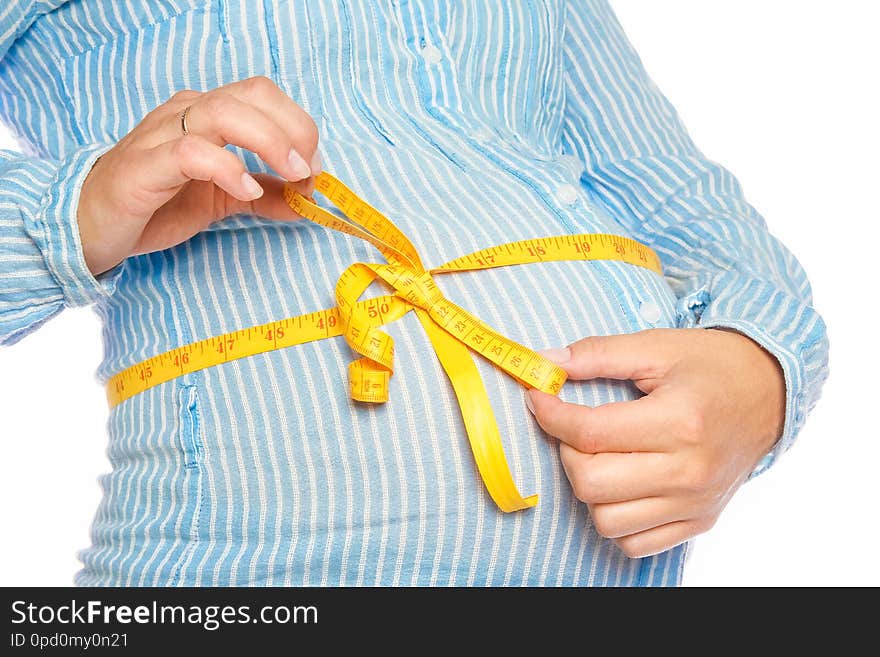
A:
{"x": 558, "y": 356}
{"x": 298, "y": 166}
{"x": 316, "y": 165}
{"x": 529, "y": 404}
{"x": 251, "y": 186}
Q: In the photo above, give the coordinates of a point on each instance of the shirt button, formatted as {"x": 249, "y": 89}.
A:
{"x": 649, "y": 311}
{"x": 567, "y": 194}
{"x": 432, "y": 54}
{"x": 484, "y": 134}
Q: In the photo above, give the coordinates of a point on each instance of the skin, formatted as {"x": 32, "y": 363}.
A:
{"x": 158, "y": 187}
{"x": 654, "y": 472}
{"x": 659, "y": 470}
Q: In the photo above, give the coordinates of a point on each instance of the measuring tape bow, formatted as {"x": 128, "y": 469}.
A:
{"x": 453, "y": 331}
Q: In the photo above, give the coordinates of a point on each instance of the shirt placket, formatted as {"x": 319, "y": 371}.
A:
{"x": 437, "y": 83}
{"x": 439, "y": 112}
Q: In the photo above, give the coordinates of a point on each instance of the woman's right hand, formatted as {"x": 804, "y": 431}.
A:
{"x": 158, "y": 187}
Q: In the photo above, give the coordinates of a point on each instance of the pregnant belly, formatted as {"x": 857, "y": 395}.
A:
{"x": 263, "y": 471}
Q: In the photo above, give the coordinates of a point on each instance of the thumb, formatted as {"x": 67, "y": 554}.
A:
{"x": 636, "y": 356}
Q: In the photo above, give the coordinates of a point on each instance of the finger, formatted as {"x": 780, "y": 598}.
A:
{"x": 660, "y": 539}
{"x": 630, "y": 426}
{"x": 163, "y": 123}
{"x": 181, "y": 99}
{"x": 170, "y": 165}
{"x": 262, "y": 92}
{"x": 607, "y": 478}
{"x": 634, "y": 516}
{"x": 271, "y": 205}
{"x": 224, "y": 119}
{"x": 641, "y": 355}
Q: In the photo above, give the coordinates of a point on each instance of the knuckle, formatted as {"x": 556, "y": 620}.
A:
{"x": 581, "y": 492}
{"x": 214, "y": 104}
{"x": 259, "y": 86}
{"x": 577, "y": 485}
{"x": 268, "y": 141}
{"x": 261, "y": 82}
{"x": 587, "y": 485}
{"x": 692, "y": 425}
{"x": 157, "y": 115}
{"x": 310, "y": 130}
{"x": 630, "y": 547}
{"x": 182, "y": 95}
{"x": 604, "y": 522}
{"x": 186, "y": 148}
{"x": 580, "y": 478}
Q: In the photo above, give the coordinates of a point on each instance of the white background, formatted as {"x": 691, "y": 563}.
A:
{"x": 783, "y": 93}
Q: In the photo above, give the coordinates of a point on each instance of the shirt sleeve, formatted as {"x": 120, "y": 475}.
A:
{"x": 42, "y": 268}
{"x": 724, "y": 266}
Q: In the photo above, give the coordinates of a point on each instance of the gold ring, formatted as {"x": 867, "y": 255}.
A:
{"x": 183, "y": 116}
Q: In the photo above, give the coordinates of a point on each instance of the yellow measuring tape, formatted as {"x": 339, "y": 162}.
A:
{"x": 452, "y": 330}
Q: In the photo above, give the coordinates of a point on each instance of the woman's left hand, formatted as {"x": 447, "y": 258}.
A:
{"x": 659, "y": 470}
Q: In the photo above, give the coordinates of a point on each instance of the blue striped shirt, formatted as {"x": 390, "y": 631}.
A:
{"x": 470, "y": 124}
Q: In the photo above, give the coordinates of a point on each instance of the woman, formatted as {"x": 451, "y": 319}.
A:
{"x": 469, "y": 125}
